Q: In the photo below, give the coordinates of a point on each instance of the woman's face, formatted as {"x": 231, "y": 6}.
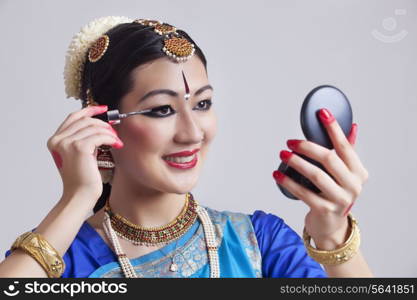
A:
{"x": 175, "y": 125}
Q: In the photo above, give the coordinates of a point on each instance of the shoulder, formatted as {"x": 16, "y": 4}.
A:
{"x": 270, "y": 227}
{"x": 262, "y": 220}
{"x": 221, "y": 217}
{"x": 272, "y": 232}
{"x": 259, "y": 221}
{"x": 282, "y": 249}
{"x": 226, "y": 222}
{"x": 236, "y": 235}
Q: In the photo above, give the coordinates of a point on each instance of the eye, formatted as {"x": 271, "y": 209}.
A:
{"x": 166, "y": 110}
{"x": 161, "y": 111}
{"x": 204, "y": 104}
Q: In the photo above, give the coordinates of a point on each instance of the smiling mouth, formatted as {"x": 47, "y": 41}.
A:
{"x": 181, "y": 162}
{"x": 180, "y": 159}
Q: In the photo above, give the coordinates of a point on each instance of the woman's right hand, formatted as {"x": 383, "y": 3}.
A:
{"x": 74, "y": 149}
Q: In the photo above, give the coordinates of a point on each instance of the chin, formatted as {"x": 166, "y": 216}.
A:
{"x": 182, "y": 187}
{"x": 176, "y": 179}
{"x": 179, "y": 185}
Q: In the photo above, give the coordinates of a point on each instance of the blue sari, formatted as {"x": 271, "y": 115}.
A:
{"x": 256, "y": 245}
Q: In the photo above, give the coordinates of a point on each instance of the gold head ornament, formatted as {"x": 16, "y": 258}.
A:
{"x": 175, "y": 46}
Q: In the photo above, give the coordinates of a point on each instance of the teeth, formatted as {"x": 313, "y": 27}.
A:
{"x": 180, "y": 159}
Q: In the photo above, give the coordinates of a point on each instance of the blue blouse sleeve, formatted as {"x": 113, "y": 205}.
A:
{"x": 282, "y": 249}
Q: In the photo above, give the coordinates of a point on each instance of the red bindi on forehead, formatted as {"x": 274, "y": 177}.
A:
{"x": 187, "y": 89}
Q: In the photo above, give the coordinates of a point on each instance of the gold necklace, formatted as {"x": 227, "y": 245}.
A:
{"x": 155, "y": 236}
{"x": 210, "y": 239}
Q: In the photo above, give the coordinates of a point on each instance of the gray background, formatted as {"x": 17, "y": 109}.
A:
{"x": 263, "y": 58}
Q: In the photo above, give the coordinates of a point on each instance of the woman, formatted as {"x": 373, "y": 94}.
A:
{"x": 146, "y": 223}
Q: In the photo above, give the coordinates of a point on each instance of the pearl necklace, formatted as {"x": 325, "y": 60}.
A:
{"x": 209, "y": 235}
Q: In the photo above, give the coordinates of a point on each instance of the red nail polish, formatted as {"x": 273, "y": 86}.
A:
{"x": 326, "y": 116}
{"x": 278, "y": 176}
{"x": 293, "y": 144}
{"x": 119, "y": 144}
{"x": 98, "y": 109}
{"x": 285, "y": 155}
{"x": 353, "y": 133}
{"x": 348, "y": 210}
{"x": 57, "y": 159}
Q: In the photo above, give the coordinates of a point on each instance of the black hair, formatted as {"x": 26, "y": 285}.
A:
{"x": 110, "y": 78}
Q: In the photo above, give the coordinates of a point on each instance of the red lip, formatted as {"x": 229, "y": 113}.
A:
{"x": 183, "y": 153}
{"x": 188, "y": 165}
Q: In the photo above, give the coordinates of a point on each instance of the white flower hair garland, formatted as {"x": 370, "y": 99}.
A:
{"x": 77, "y": 50}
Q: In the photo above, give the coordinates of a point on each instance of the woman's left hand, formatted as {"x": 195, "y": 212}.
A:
{"x": 327, "y": 221}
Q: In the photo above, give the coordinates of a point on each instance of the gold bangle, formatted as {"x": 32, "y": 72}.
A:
{"x": 43, "y": 252}
{"x": 340, "y": 255}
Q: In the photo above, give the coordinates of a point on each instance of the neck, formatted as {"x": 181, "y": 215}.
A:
{"x": 143, "y": 206}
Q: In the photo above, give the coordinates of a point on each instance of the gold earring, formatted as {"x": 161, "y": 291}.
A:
{"x": 105, "y": 163}
{"x": 105, "y": 160}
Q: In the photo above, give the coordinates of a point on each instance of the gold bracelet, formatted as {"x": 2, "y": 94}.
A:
{"x": 43, "y": 252}
{"x": 340, "y": 255}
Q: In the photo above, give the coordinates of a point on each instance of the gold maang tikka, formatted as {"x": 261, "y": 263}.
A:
{"x": 175, "y": 46}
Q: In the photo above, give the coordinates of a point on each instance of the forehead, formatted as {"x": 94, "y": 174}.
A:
{"x": 164, "y": 73}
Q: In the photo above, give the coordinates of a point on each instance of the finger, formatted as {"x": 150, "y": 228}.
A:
{"x": 352, "y": 134}
{"x": 314, "y": 201}
{"x": 57, "y": 158}
{"x": 330, "y": 160}
{"x": 90, "y": 130}
{"x": 89, "y": 143}
{"x": 99, "y": 136}
{"x": 347, "y": 211}
{"x": 88, "y": 111}
{"x": 331, "y": 190}
{"x": 341, "y": 145}
{"x": 82, "y": 123}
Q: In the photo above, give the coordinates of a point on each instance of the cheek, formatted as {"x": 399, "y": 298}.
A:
{"x": 145, "y": 137}
{"x": 209, "y": 126}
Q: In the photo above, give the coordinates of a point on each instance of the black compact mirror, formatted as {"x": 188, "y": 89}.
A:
{"x": 333, "y": 99}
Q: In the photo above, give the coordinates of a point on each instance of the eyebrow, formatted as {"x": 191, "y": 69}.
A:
{"x": 173, "y": 93}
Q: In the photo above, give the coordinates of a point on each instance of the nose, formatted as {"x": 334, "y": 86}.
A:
{"x": 188, "y": 130}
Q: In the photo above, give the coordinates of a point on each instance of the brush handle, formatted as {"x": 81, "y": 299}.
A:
{"x": 112, "y": 115}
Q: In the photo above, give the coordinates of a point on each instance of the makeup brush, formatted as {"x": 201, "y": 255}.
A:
{"x": 115, "y": 116}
